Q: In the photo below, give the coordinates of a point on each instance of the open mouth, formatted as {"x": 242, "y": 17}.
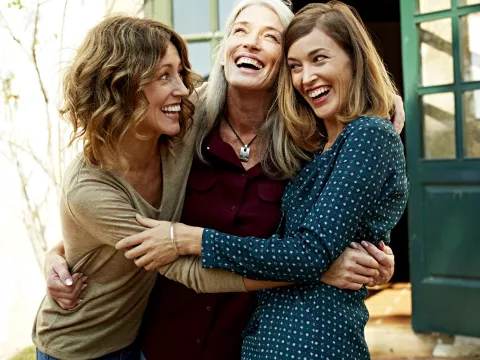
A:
{"x": 249, "y": 63}
{"x": 171, "y": 110}
{"x": 320, "y": 93}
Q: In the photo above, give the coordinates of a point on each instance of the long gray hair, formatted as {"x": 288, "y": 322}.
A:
{"x": 281, "y": 159}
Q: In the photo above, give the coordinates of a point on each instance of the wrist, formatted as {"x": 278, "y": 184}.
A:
{"x": 188, "y": 239}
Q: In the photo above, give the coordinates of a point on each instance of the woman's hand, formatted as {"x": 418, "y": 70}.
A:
{"x": 385, "y": 258}
{"x": 360, "y": 265}
{"x": 399, "y": 116}
{"x": 64, "y": 288}
{"x": 351, "y": 270}
{"x": 151, "y": 248}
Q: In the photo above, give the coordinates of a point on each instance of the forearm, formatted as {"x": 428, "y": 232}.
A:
{"x": 188, "y": 271}
{"x": 302, "y": 258}
{"x": 188, "y": 239}
{"x": 254, "y": 258}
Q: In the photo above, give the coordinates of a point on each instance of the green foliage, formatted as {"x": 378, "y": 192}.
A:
{"x": 26, "y": 354}
{"x": 16, "y": 3}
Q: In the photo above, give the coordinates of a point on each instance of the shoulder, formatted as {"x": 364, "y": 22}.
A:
{"x": 369, "y": 124}
{"x": 84, "y": 185}
{"x": 372, "y": 129}
{"x": 199, "y": 94}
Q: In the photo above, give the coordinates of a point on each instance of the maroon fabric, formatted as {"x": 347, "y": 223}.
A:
{"x": 180, "y": 324}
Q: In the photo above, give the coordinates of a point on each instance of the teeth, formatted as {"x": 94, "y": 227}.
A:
{"x": 173, "y": 108}
{"x": 319, "y": 91}
{"x": 247, "y": 60}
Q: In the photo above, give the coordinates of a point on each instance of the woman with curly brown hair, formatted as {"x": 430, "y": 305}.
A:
{"x": 126, "y": 97}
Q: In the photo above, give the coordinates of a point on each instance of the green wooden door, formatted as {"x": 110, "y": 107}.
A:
{"x": 441, "y": 69}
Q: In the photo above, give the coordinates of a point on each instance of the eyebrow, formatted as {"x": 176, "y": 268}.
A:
{"x": 266, "y": 27}
{"x": 169, "y": 65}
{"x": 314, "y": 51}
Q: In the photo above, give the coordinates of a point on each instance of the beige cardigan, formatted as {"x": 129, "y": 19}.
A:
{"x": 97, "y": 210}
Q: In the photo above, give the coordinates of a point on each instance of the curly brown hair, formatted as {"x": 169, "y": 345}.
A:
{"x": 103, "y": 93}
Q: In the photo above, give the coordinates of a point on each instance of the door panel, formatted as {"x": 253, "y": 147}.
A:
{"x": 451, "y": 241}
{"x": 442, "y": 141}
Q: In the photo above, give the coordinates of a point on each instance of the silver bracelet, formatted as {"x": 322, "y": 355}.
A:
{"x": 172, "y": 239}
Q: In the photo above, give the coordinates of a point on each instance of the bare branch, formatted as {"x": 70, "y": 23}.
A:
{"x": 12, "y": 35}
{"x": 29, "y": 151}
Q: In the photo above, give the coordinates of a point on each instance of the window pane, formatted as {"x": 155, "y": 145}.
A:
{"x": 471, "y": 125}
{"x": 436, "y": 52}
{"x": 468, "y": 2}
{"x": 191, "y": 16}
{"x": 224, "y": 8}
{"x": 439, "y": 126}
{"x": 469, "y": 26}
{"x": 200, "y": 55}
{"x": 426, "y": 6}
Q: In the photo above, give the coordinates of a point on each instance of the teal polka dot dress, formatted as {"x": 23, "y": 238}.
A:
{"x": 356, "y": 190}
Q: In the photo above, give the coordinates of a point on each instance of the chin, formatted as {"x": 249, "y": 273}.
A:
{"x": 173, "y": 131}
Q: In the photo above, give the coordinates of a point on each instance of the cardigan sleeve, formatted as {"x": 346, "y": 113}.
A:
{"x": 108, "y": 215}
{"x": 370, "y": 165}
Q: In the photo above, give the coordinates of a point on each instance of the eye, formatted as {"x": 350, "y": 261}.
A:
{"x": 293, "y": 66}
{"x": 238, "y": 30}
{"x": 274, "y": 37}
{"x": 319, "y": 58}
{"x": 164, "y": 76}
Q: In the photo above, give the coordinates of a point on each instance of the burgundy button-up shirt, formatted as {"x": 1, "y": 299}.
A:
{"x": 180, "y": 324}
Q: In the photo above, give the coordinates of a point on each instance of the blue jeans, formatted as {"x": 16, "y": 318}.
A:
{"x": 130, "y": 352}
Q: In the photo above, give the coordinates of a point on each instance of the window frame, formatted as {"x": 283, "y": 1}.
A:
{"x": 162, "y": 10}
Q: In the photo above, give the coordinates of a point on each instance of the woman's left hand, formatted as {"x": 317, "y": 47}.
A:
{"x": 399, "y": 116}
{"x": 151, "y": 248}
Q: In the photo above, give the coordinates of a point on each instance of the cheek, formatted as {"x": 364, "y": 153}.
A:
{"x": 297, "y": 82}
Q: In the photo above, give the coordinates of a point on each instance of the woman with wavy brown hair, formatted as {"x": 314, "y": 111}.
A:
{"x": 126, "y": 97}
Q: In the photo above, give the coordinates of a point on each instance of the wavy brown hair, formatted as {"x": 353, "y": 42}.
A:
{"x": 372, "y": 90}
{"x": 103, "y": 93}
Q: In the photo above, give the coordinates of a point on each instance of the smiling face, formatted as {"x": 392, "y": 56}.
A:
{"x": 253, "y": 49}
{"x": 164, "y": 95}
{"x": 321, "y": 72}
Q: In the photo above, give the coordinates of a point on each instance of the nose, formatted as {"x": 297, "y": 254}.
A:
{"x": 251, "y": 41}
{"x": 180, "y": 89}
{"x": 308, "y": 76}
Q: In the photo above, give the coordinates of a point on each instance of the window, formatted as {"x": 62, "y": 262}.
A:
{"x": 201, "y": 26}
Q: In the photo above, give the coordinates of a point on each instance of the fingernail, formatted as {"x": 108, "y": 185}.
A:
{"x": 353, "y": 245}
{"x": 69, "y": 282}
{"x": 382, "y": 243}
{"x": 364, "y": 243}
{"x": 84, "y": 278}
{"x": 84, "y": 286}
{"x": 79, "y": 301}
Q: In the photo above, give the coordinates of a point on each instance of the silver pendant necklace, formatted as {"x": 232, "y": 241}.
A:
{"x": 245, "y": 149}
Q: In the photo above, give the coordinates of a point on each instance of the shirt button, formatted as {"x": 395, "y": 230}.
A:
{"x": 198, "y": 341}
{"x": 243, "y": 175}
{"x": 209, "y": 308}
{"x": 233, "y": 208}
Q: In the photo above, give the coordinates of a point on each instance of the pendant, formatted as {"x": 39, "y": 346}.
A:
{"x": 244, "y": 153}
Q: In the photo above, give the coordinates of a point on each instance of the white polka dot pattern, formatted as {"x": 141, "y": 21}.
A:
{"x": 356, "y": 190}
